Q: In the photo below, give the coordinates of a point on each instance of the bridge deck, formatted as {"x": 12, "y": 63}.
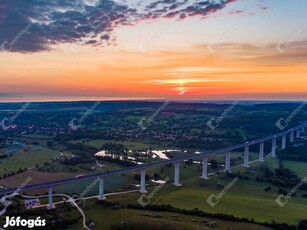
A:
{"x": 149, "y": 165}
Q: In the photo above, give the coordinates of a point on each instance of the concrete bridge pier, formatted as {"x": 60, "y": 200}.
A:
{"x": 143, "y": 182}
{"x": 297, "y": 133}
{"x": 273, "y": 147}
{"x": 205, "y": 168}
{"x": 291, "y": 136}
{"x": 283, "y": 141}
{"x": 101, "y": 188}
{"x": 50, "y": 199}
{"x": 246, "y": 156}
{"x": 227, "y": 162}
{"x": 261, "y": 152}
{"x": 176, "y": 176}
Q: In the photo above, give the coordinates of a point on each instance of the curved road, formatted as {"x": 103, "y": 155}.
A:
{"x": 69, "y": 199}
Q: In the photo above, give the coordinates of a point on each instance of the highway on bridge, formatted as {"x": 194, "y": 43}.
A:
{"x": 149, "y": 165}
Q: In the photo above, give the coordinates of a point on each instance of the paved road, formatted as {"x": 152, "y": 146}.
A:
{"x": 73, "y": 201}
{"x": 69, "y": 199}
{"x": 149, "y": 165}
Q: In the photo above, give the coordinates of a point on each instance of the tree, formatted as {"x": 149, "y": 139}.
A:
{"x": 116, "y": 149}
{"x": 302, "y": 225}
{"x": 49, "y": 144}
{"x": 267, "y": 189}
{"x": 214, "y": 164}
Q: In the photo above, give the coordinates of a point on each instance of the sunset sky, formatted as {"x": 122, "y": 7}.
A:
{"x": 176, "y": 49}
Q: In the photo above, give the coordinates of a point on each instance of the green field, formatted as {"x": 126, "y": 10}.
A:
{"x": 246, "y": 198}
{"x": 242, "y": 200}
{"x": 58, "y": 167}
{"x": 104, "y": 217}
{"x": 111, "y": 183}
{"x": 26, "y": 160}
{"x": 300, "y": 168}
{"x": 33, "y": 136}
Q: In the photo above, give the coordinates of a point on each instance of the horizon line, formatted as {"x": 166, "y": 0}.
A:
{"x": 157, "y": 100}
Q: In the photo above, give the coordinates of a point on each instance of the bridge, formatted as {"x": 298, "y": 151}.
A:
{"x": 293, "y": 132}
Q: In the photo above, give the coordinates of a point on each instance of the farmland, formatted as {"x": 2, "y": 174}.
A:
{"x": 181, "y": 127}
{"x": 26, "y": 160}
